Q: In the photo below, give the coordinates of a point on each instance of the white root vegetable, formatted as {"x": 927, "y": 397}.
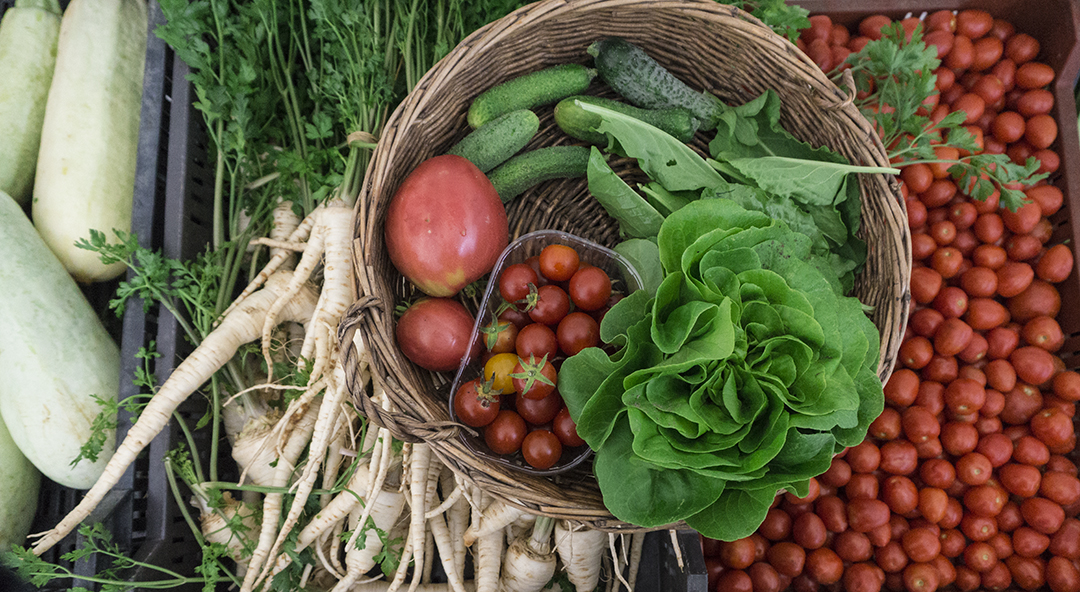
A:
{"x": 444, "y": 543}
{"x": 271, "y": 510}
{"x": 215, "y": 528}
{"x": 496, "y": 516}
{"x": 637, "y": 541}
{"x": 529, "y": 562}
{"x": 323, "y": 428}
{"x": 580, "y": 550}
{"x": 418, "y": 474}
{"x": 254, "y": 458}
{"x": 383, "y": 586}
{"x": 241, "y": 326}
{"x": 385, "y": 507}
{"x": 488, "y": 559}
{"x": 283, "y": 223}
{"x": 457, "y": 517}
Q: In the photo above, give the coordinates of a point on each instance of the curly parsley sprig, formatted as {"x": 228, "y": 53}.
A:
{"x": 897, "y": 73}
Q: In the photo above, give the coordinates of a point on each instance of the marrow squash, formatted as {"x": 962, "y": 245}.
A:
{"x": 85, "y": 175}
{"x": 56, "y": 354}
{"x": 28, "y": 35}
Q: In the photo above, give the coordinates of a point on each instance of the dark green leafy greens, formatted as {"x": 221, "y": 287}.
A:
{"x": 755, "y": 162}
{"x": 740, "y": 377}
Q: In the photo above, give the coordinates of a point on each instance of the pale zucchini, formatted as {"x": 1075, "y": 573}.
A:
{"x": 86, "y": 166}
{"x": 28, "y": 35}
{"x": 19, "y": 484}
{"x": 55, "y": 355}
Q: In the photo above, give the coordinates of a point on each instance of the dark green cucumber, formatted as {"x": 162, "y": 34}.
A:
{"x": 530, "y": 168}
{"x": 529, "y": 91}
{"x": 581, "y": 124}
{"x": 640, "y": 79}
{"x": 497, "y": 140}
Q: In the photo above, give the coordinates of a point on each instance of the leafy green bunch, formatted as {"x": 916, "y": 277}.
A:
{"x": 743, "y": 376}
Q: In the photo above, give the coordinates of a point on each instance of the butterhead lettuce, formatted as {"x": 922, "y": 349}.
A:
{"x": 741, "y": 376}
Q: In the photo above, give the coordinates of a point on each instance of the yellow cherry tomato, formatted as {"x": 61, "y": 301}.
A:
{"x": 498, "y": 370}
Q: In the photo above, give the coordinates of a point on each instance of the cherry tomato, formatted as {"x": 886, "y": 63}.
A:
{"x": 475, "y": 405}
{"x": 539, "y": 411}
{"x": 499, "y": 336}
{"x": 505, "y": 433}
{"x": 558, "y": 262}
{"x": 786, "y": 558}
{"x": 565, "y": 428}
{"x": 576, "y": 332}
{"x": 1042, "y": 514}
{"x": 1021, "y": 48}
{"x": 515, "y": 282}
{"x": 1008, "y": 126}
{"x": 534, "y": 379}
{"x": 498, "y": 370}
{"x": 590, "y": 288}
{"x": 537, "y": 340}
{"x": 552, "y": 304}
{"x": 541, "y": 449}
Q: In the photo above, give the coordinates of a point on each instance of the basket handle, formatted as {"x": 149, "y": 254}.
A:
{"x": 401, "y": 426}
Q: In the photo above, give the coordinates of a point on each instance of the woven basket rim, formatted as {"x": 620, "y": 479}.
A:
{"x": 421, "y": 421}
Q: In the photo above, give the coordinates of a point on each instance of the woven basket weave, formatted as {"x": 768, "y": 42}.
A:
{"x": 706, "y": 44}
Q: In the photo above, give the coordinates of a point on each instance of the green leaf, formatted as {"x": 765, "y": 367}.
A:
{"x": 627, "y": 481}
{"x": 737, "y": 513}
{"x": 810, "y": 182}
{"x": 636, "y": 217}
{"x": 644, "y": 256}
{"x": 660, "y": 155}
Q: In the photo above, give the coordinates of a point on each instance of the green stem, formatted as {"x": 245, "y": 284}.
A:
{"x": 191, "y": 446}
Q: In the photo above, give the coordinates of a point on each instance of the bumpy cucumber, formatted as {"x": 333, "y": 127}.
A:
{"x": 496, "y": 141}
{"x": 641, "y": 80}
{"x": 530, "y": 168}
{"x": 529, "y": 91}
{"x": 581, "y": 124}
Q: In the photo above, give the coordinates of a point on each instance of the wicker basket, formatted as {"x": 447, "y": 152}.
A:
{"x": 708, "y": 45}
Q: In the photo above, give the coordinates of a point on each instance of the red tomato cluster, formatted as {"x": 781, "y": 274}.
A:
{"x": 553, "y": 304}
{"x": 965, "y": 481}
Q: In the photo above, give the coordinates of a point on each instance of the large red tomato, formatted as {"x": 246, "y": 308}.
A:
{"x": 445, "y": 226}
{"x": 434, "y": 333}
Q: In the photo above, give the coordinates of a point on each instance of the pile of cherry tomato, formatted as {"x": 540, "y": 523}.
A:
{"x": 968, "y": 478}
{"x": 552, "y": 306}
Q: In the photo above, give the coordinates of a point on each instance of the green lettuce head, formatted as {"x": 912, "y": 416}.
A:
{"x": 743, "y": 376}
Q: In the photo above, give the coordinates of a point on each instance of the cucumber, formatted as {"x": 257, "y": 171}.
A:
{"x": 581, "y": 124}
{"x": 497, "y": 140}
{"x": 85, "y": 175}
{"x": 638, "y": 78}
{"x": 56, "y": 354}
{"x": 530, "y": 168}
{"x": 28, "y": 35}
{"x": 529, "y": 91}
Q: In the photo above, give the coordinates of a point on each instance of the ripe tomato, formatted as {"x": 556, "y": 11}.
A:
{"x": 1043, "y": 332}
{"x": 445, "y": 225}
{"x": 475, "y": 404}
{"x": 590, "y": 288}
{"x": 558, "y": 262}
{"x": 541, "y": 449}
{"x": 565, "y": 428}
{"x": 498, "y": 370}
{"x": 499, "y": 336}
{"x": 952, "y": 337}
{"x": 925, "y": 284}
{"x": 505, "y": 433}
{"x": 1014, "y": 277}
{"x": 434, "y": 334}
{"x": 1056, "y": 264}
{"x": 551, "y": 305}
{"x": 539, "y": 411}
{"x": 1040, "y": 298}
{"x": 534, "y": 379}
{"x": 576, "y": 332}
{"x": 515, "y": 282}
{"x": 1033, "y": 365}
{"x": 536, "y": 340}
{"x": 1052, "y": 426}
